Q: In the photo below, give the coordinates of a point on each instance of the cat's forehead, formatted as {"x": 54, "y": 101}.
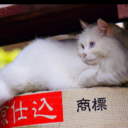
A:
{"x": 92, "y": 25}
{"x": 91, "y": 30}
{"x": 90, "y": 33}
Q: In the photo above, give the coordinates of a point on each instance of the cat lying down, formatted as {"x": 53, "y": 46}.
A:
{"x": 98, "y": 57}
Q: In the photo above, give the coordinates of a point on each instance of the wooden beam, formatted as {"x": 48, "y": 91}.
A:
{"x": 20, "y": 23}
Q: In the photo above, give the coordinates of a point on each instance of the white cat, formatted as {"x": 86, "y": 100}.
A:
{"x": 96, "y": 58}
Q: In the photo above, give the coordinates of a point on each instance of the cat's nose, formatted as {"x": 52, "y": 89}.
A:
{"x": 84, "y": 55}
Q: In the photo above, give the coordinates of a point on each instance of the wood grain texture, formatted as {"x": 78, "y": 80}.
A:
{"x": 20, "y": 23}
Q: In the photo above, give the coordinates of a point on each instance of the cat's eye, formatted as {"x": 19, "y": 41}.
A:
{"x": 92, "y": 44}
{"x": 82, "y": 45}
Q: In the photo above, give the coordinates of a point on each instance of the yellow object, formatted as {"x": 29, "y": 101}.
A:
{"x": 2, "y": 55}
{"x": 2, "y": 64}
{"x": 7, "y": 56}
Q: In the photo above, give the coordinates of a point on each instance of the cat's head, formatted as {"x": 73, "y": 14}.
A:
{"x": 98, "y": 42}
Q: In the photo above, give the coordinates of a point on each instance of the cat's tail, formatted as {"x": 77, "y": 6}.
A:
{"x": 5, "y": 93}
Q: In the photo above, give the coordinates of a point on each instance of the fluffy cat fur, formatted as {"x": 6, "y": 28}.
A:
{"x": 47, "y": 64}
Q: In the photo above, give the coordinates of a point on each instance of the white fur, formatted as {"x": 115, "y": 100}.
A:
{"x": 51, "y": 65}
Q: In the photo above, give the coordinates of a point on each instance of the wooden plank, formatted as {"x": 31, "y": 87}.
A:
{"x": 25, "y": 22}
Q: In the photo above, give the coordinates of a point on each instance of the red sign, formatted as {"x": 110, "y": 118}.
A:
{"x": 122, "y": 11}
{"x": 32, "y": 109}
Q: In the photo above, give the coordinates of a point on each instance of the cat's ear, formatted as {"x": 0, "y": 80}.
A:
{"x": 103, "y": 27}
{"x": 83, "y": 24}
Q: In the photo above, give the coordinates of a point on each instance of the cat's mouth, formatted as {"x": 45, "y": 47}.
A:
{"x": 91, "y": 60}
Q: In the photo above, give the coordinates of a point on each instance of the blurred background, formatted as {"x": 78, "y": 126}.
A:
{"x": 8, "y": 53}
{"x": 21, "y": 23}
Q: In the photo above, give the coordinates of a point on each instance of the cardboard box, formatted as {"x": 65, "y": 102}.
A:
{"x": 101, "y": 107}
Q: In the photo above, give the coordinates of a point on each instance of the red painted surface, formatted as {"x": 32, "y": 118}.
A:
{"x": 32, "y": 109}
